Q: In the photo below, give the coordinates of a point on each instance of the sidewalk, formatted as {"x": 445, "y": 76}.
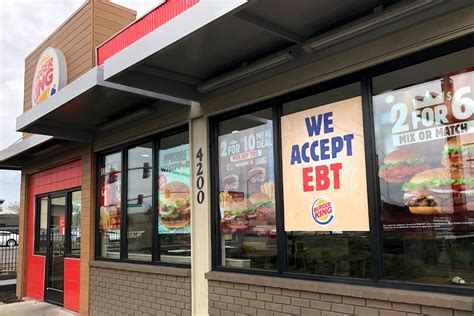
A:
{"x": 30, "y": 308}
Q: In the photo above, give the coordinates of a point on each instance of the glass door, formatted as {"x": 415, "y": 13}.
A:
{"x": 56, "y": 247}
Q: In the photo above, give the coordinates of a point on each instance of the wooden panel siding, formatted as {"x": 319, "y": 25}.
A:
{"x": 90, "y": 25}
{"x": 109, "y": 19}
{"x": 69, "y": 37}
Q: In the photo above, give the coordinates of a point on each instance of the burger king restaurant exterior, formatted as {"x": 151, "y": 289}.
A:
{"x": 250, "y": 158}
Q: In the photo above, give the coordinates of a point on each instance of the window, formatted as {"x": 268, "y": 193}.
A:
{"x": 156, "y": 215}
{"x": 110, "y": 201}
{"x": 400, "y": 142}
{"x": 334, "y": 253}
{"x": 41, "y": 221}
{"x": 247, "y": 199}
{"x": 247, "y": 191}
{"x": 174, "y": 205}
{"x": 139, "y": 202}
{"x": 75, "y": 220}
{"x": 423, "y": 131}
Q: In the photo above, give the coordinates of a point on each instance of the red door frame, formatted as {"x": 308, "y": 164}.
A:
{"x": 62, "y": 177}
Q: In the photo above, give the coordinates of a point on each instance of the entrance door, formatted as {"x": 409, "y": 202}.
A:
{"x": 54, "y": 287}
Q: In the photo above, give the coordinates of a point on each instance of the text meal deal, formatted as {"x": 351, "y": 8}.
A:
{"x": 324, "y": 179}
{"x": 247, "y": 189}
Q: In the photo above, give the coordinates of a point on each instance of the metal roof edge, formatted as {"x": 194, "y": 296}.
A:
{"x": 196, "y": 17}
{"x": 69, "y": 92}
{"x": 21, "y": 146}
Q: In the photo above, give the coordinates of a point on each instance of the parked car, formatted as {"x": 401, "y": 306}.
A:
{"x": 8, "y": 239}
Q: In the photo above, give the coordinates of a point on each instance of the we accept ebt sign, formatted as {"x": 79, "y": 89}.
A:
{"x": 324, "y": 179}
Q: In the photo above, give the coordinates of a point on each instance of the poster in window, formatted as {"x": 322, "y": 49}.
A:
{"x": 174, "y": 190}
{"x": 110, "y": 211}
{"x": 324, "y": 178}
{"x": 246, "y": 181}
{"x": 425, "y": 137}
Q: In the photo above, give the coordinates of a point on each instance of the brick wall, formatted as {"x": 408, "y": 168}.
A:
{"x": 236, "y": 294}
{"x": 134, "y": 289}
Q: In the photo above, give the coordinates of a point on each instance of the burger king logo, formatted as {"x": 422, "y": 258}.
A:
{"x": 50, "y": 75}
{"x": 323, "y": 210}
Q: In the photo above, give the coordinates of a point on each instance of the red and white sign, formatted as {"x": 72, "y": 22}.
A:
{"x": 50, "y": 75}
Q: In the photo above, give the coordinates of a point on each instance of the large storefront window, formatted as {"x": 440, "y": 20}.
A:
{"x": 333, "y": 252}
{"x": 372, "y": 181}
{"x": 139, "y": 202}
{"x": 155, "y": 212}
{"x": 247, "y": 191}
{"x": 316, "y": 174}
{"x": 174, "y": 199}
{"x": 424, "y": 137}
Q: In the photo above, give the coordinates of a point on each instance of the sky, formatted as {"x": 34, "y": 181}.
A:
{"x": 24, "y": 24}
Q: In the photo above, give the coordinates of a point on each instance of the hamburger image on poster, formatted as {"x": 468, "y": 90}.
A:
{"x": 323, "y": 157}
{"x": 447, "y": 189}
{"x": 175, "y": 205}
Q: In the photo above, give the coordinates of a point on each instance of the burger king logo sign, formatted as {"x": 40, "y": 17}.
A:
{"x": 50, "y": 75}
{"x": 323, "y": 210}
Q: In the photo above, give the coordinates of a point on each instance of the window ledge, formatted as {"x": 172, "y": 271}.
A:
{"x": 393, "y": 295}
{"x": 155, "y": 269}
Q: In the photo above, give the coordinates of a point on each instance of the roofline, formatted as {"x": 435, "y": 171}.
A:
{"x": 25, "y": 144}
{"x": 126, "y": 27}
{"x": 189, "y": 21}
{"x": 119, "y": 6}
{"x": 90, "y": 79}
{"x": 144, "y": 31}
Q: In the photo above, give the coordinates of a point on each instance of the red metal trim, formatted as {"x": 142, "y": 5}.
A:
{"x": 72, "y": 289}
{"x": 141, "y": 27}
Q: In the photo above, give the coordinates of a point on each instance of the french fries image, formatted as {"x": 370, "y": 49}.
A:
{"x": 269, "y": 189}
{"x": 225, "y": 199}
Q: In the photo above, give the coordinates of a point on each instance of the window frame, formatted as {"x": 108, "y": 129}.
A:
{"x": 123, "y": 150}
{"x": 37, "y": 223}
{"x": 365, "y": 79}
{"x": 68, "y": 246}
{"x": 67, "y": 193}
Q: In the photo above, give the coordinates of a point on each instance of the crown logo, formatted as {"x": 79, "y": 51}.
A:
{"x": 429, "y": 99}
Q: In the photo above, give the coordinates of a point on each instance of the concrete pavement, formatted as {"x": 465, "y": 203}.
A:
{"x": 33, "y": 308}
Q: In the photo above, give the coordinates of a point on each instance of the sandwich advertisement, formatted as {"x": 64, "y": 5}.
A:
{"x": 324, "y": 178}
{"x": 425, "y": 147}
{"x": 174, "y": 184}
{"x": 247, "y": 189}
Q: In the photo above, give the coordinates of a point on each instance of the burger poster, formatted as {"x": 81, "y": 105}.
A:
{"x": 324, "y": 178}
{"x": 174, "y": 197}
{"x": 247, "y": 190}
{"x": 425, "y": 147}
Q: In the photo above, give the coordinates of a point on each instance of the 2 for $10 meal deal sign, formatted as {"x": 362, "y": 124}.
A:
{"x": 324, "y": 179}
